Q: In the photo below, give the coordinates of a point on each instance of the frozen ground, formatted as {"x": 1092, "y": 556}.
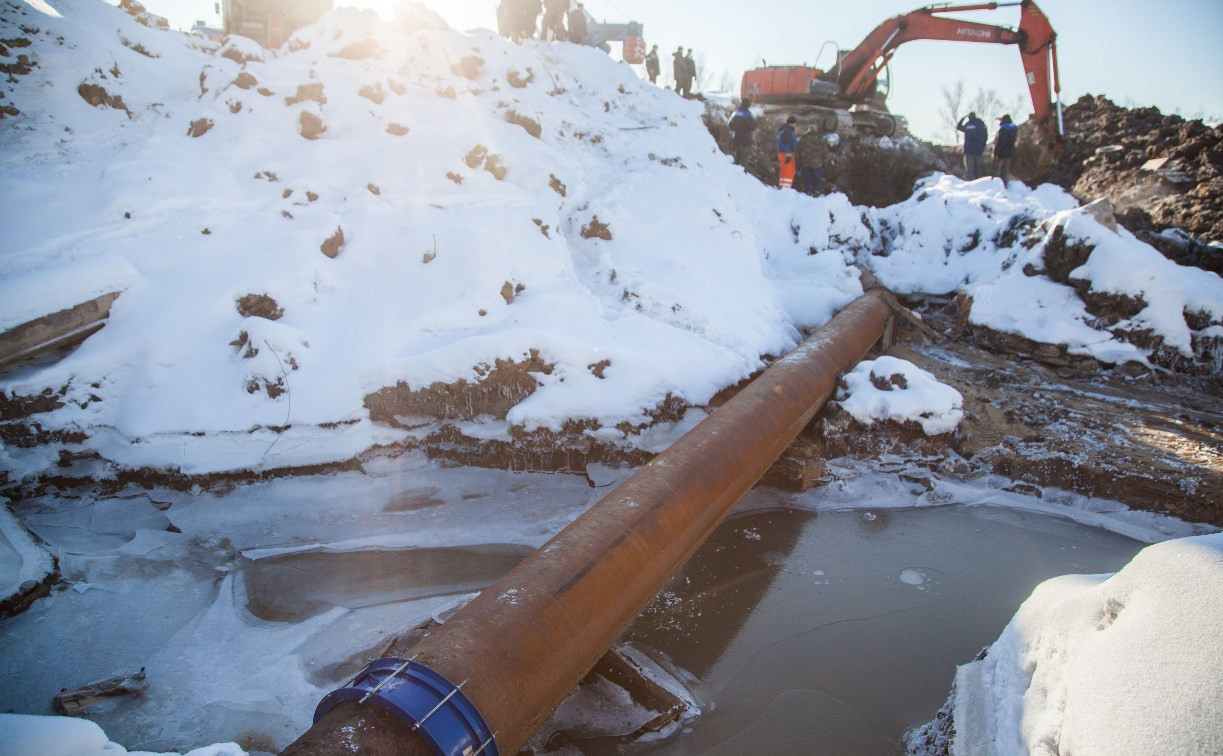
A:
{"x": 502, "y": 204}
{"x": 468, "y": 203}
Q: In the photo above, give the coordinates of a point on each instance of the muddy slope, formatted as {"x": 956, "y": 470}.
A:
{"x": 1160, "y": 171}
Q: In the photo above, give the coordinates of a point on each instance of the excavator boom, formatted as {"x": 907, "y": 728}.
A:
{"x": 857, "y": 71}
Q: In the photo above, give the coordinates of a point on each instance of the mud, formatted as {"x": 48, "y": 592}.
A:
{"x": 497, "y": 388}
{"x": 870, "y": 170}
{"x": 1151, "y": 440}
{"x": 1161, "y": 171}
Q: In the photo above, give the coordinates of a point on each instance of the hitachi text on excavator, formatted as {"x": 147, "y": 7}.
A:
{"x": 852, "y": 93}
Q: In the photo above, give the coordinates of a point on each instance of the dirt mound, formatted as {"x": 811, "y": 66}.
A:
{"x": 1160, "y": 171}
{"x": 870, "y": 170}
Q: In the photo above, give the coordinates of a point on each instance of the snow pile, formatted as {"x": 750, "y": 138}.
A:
{"x": 351, "y": 241}
{"x": 29, "y": 735}
{"x": 888, "y": 388}
{"x": 417, "y": 205}
{"x": 1036, "y": 265}
{"x": 1127, "y": 663}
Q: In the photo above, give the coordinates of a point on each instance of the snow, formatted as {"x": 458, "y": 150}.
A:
{"x": 444, "y": 196}
{"x": 30, "y": 735}
{"x": 1125, "y": 663}
{"x": 705, "y": 272}
{"x": 888, "y": 388}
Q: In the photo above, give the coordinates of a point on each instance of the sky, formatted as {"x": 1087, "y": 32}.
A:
{"x": 1137, "y": 53}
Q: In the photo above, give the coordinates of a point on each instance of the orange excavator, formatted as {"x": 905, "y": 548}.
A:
{"x": 852, "y": 93}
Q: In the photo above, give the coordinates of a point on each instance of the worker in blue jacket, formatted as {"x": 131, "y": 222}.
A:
{"x": 742, "y": 129}
{"x": 1004, "y": 147}
{"x": 787, "y": 143}
{"x": 975, "y": 136}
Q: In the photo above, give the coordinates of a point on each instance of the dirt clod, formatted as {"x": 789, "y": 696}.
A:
{"x": 259, "y": 306}
{"x": 596, "y": 230}
{"x": 310, "y": 125}
{"x": 199, "y": 127}
{"x": 334, "y": 243}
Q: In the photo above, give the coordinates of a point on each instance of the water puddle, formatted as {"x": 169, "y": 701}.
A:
{"x": 294, "y": 587}
{"x": 835, "y": 633}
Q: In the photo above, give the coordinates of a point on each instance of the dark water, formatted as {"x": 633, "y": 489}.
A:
{"x": 835, "y": 633}
{"x": 292, "y": 587}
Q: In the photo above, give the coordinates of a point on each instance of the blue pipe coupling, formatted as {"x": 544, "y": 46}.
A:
{"x": 433, "y": 707}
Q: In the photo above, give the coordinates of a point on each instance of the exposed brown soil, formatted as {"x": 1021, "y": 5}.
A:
{"x": 1152, "y": 441}
{"x": 868, "y": 170}
{"x": 497, "y": 389}
{"x": 1161, "y": 171}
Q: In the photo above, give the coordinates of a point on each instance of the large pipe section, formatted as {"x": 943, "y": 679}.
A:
{"x": 522, "y": 645}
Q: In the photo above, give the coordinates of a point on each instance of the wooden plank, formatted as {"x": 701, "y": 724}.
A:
{"x": 59, "y": 329}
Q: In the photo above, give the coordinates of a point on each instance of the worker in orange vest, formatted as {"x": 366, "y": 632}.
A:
{"x": 787, "y": 143}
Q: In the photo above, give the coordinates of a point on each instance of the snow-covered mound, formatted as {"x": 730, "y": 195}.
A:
{"x": 1127, "y": 663}
{"x": 386, "y": 230}
{"x": 1034, "y": 264}
{"x": 888, "y": 388}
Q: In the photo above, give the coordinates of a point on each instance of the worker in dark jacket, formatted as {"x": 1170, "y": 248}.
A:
{"x": 812, "y": 154}
{"x": 787, "y": 143}
{"x": 683, "y": 81}
{"x": 579, "y": 33}
{"x": 651, "y": 65}
{"x": 1004, "y": 147}
{"x": 742, "y": 129}
{"x": 975, "y": 136}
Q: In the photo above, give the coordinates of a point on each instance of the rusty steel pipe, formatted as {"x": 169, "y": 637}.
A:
{"x": 526, "y": 641}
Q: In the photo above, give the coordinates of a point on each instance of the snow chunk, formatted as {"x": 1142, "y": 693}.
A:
{"x": 30, "y": 735}
{"x": 893, "y": 389}
{"x": 1127, "y": 663}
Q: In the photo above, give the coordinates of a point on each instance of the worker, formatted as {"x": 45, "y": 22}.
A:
{"x": 742, "y": 129}
{"x": 679, "y": 67}
{"x": 579, "y": 33}
{"x": 787, "y": 143}
{"x": 812, "y": 154}
{"x": 554, "y": 19}
{"x": 651, "y": 65}
{"x": 1004, "y": 147}
{"x": 975, "y": 136}
{"x": 690, "y": 67}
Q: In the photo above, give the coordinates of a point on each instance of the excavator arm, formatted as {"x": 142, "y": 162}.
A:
{"x": 857, "y": 70}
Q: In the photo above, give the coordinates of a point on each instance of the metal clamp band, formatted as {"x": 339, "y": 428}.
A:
{"x": 431, "y": 705}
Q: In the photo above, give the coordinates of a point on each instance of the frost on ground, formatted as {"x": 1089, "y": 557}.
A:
{"x": 398, "y": 235}
{"x": 1131, "y": 660}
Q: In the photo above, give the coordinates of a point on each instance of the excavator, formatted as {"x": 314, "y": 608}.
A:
{"x": 851, "y": 94}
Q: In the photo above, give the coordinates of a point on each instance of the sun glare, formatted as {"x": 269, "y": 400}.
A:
{"x": 43, "y": 6}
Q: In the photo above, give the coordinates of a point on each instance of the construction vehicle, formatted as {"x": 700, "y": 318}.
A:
{"x": 598, "y": 33}
{"x": 851, "y": 94}
{"x": 632, "y": 34}
{"x": 271, "y": 22}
